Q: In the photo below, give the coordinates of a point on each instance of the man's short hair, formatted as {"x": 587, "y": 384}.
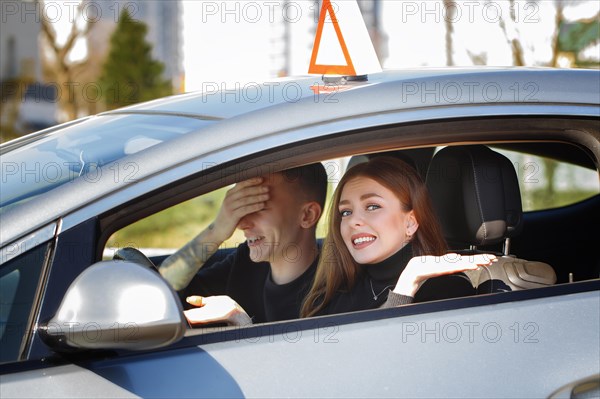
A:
{"x": 311, "y": 180}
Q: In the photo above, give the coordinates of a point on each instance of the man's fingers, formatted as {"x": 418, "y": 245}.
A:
{"x": 243, "y": 188}
{"x": 249, "y": 200}
{"x": 255, "y": 181}
{"x": 246, "y": 210}
{"x": 199, "y": 316}
{"x": 195, "y": 300}
{"x": 247, "y": 196}
{"x": 220, "y": 308}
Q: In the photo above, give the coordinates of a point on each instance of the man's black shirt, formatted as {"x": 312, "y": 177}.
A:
{"x": 250, "y": 285}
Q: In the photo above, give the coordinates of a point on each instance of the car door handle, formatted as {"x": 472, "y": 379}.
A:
{"x": 587, "y": 388}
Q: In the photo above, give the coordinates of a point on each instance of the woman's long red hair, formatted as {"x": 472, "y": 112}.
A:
{"x": 337, "y": 270}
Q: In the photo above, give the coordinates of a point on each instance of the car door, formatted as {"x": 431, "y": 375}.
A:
{"x": 473, "y": 346}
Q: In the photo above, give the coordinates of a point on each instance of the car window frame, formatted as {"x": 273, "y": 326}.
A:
{"x": 221, "y": 174}
{"x": 43, "y": 252}
{"x": 187, "y": 186}
{"x": 217, "y": 177}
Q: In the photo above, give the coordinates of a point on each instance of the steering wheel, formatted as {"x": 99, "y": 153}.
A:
{"x": 134, "y": 255}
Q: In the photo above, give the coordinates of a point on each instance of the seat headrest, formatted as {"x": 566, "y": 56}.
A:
{"x": 475, "y": 192}
{"x": 418, "y": 158}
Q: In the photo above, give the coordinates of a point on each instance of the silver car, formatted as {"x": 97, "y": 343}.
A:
{"x": 70, "y": 324}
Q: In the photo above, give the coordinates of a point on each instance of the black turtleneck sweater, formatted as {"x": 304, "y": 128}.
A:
{"x": 376, "y": 281}
{"x": 251, "y": 286}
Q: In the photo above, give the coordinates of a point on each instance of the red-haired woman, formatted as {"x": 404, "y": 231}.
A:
{"x": 384, "y": 245}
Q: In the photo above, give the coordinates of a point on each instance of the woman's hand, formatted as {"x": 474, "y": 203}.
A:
{"x": 216, "y": 309}
{"x": 420, "y": 268}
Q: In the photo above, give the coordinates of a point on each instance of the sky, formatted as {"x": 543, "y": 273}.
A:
{"x": 231, "y": 42}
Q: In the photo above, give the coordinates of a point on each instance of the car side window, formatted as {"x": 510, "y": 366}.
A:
{"x": 19, "y": 279}
{"x": 166, "y": 231}
{"x": 547, "y": 183}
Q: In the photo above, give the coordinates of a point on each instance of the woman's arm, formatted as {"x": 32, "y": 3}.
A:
{"x": 420, "y": 268}
{"x": 395, "y": 299}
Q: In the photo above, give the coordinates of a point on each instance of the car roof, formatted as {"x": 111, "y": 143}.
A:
{"x": 390, "y": 89}
{"x": 218, "y": 101}
{"x": 289, "y": 111}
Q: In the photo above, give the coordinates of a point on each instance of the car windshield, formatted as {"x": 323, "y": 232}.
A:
{"x": 79, "y": 150}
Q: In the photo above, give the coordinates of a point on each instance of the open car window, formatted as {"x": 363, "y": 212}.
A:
{"x": 547, "y": 183}
{"x": 166, "y": 231}
{"x": 163, "y": 232}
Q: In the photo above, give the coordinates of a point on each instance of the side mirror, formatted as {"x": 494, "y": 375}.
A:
{"x": 116, "y": 305}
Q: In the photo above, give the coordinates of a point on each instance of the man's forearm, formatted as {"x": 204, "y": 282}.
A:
{"x": 179, "y": 268}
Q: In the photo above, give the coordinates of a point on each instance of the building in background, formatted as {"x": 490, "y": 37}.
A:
{"x": 19, "y": 48}
{"x": 165, "y": 31}
{"x": 291, "y": 37}
{"x": 371, "y": 12}
{"x": 27, "y": 104}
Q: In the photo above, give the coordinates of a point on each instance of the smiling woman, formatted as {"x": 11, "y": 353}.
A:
{"x": 385, "y": 235}
{"x": 56, "y": 236}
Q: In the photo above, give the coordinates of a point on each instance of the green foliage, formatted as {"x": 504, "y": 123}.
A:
{"x": 173, "y": 227}
{"x": 576, "y": 36}
{"x": 130, "y": 75}
{"x": 539, "y": 199}
{"x": 7, "y": 133}
{"x": 11, "y": 95}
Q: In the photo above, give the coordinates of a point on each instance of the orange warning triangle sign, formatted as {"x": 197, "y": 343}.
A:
{"x": 342, "y": 43}
{"x": 348, "y": 68}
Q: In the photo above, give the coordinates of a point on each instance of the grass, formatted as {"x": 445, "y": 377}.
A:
{"x": 173, "y": 227}
{"x": 541, "y": 199}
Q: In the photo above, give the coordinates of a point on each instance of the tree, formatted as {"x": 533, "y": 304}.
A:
{"x": 58, "y": 65}
{"x": 451, "y": 14}
{"x": 130, "y": 74}
{"x": 581, "y": 34}
{"x": 574, "y": 37}
{"x": 515, "y": 41}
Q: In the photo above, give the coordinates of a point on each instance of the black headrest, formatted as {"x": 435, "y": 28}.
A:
{"x": 475, "y": 192}
{"x": 418, "y": 158}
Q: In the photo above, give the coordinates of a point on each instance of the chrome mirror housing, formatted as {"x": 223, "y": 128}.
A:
{"x": 116, "y": 305}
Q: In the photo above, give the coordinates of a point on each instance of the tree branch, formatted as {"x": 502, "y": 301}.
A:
{"x": 558, "y": 20}
{"x": 50, "y": 33}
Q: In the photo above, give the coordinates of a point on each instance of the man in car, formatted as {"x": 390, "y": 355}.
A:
{"x": 269, "y": 274}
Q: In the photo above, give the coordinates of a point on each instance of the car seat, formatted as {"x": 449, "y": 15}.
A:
{"x": 418, "y": 158}
{"x": 476, "y": 196}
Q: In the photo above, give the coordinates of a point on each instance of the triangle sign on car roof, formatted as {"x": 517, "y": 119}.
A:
{"x": 342, "y": 43}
